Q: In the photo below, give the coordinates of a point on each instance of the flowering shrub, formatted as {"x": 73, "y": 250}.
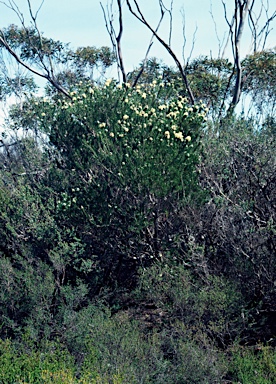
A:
{"x": 146, "y": 137}
{"x": 128, "y": 161}
{"x": 124, "y": 162}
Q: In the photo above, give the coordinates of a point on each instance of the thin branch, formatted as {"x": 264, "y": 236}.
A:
{"x": 118, "y": 40}
{"x": 50, "y": 72}
{"x": 29, "y": 68}
{"x": 27, "y": 173}
{"x": 49, "y": 75}
{"x": 183, "y": 33}
{"x": 14, "y": 7}
{"x": 170, "y": 12}
{"x": 109, "y": 18}
{"x": 143, "y": 64}
{"x": 5, "y": 145}
{"x": 266, "y": 28}
{"x": 142, "y": 19}
{"x": 253, "y": 26}
{"x": 193, "y": 45}
{"x": 230, "y": 33}
{"x": 220, "y": 43}
{"x": 38, "y": 9}
{"x": 243, "y": 10}
{"x": 148, "y": 50}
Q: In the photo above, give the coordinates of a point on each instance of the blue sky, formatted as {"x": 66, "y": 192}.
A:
{"x": 81, "y": 23}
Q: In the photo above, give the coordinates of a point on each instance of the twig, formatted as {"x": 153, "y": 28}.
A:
{"x": 142, "y": 19}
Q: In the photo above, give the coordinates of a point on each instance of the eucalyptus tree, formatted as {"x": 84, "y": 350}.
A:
{"x": 237, "y": 15}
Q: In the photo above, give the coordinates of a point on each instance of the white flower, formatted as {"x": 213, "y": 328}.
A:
{"x": 179, "y": 135}
{"x": 161, "y": 107}
{"x": 108, "y": 82}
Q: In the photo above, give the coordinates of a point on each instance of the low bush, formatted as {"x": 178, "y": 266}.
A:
{"x": 211, "y": 306}
{"x": 253, "y": 365}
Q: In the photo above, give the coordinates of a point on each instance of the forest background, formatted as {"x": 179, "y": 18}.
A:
{"x": 138, "y": 204}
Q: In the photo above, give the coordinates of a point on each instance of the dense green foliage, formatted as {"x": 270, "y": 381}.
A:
{"x": 137, "y": 231}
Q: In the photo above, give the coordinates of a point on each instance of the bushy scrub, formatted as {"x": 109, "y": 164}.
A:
{"x": 121, "y": 163}
{"x": 236, "y": 228}
{"x": 27, "y": 281}
{"x": 52, "y": 364}
{"x": 114, "y": 350}
{"x": 210, "y": 308}
{"x": 126, "y": 161}
{"x": 256, "y": 365}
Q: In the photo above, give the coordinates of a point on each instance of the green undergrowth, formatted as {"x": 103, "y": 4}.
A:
{"x": 255, "y": 365}
{"x": 117, "y": 352}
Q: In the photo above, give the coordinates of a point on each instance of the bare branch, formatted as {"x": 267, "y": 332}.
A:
{"x": 47, "y": 77}
{"x": 253, "y": 23}
{"x": 193, "y": 45}
{"x": 236, "y": 28}
{"x": 230, "y": 33}
{"x": 14, "y": 7}
{"x": 6, "y": 145}
{"x": 109, "y": 27}
{"x": 265, "y": 30}
{"x": 118, "y": 40}
{"x": 220, "y": 43}
{"x": 34, "y": 17}
{"x": 170, "y": 12}
{"x": 115, "y": 40}
{"x": 183, "y": 33}
{"x": 139, "y": 15}
{"x": 148, "y": 50}
{"x": 143, "y": 64}
{"x": 244, "y": 10}
{"x": 49, "y": 73}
